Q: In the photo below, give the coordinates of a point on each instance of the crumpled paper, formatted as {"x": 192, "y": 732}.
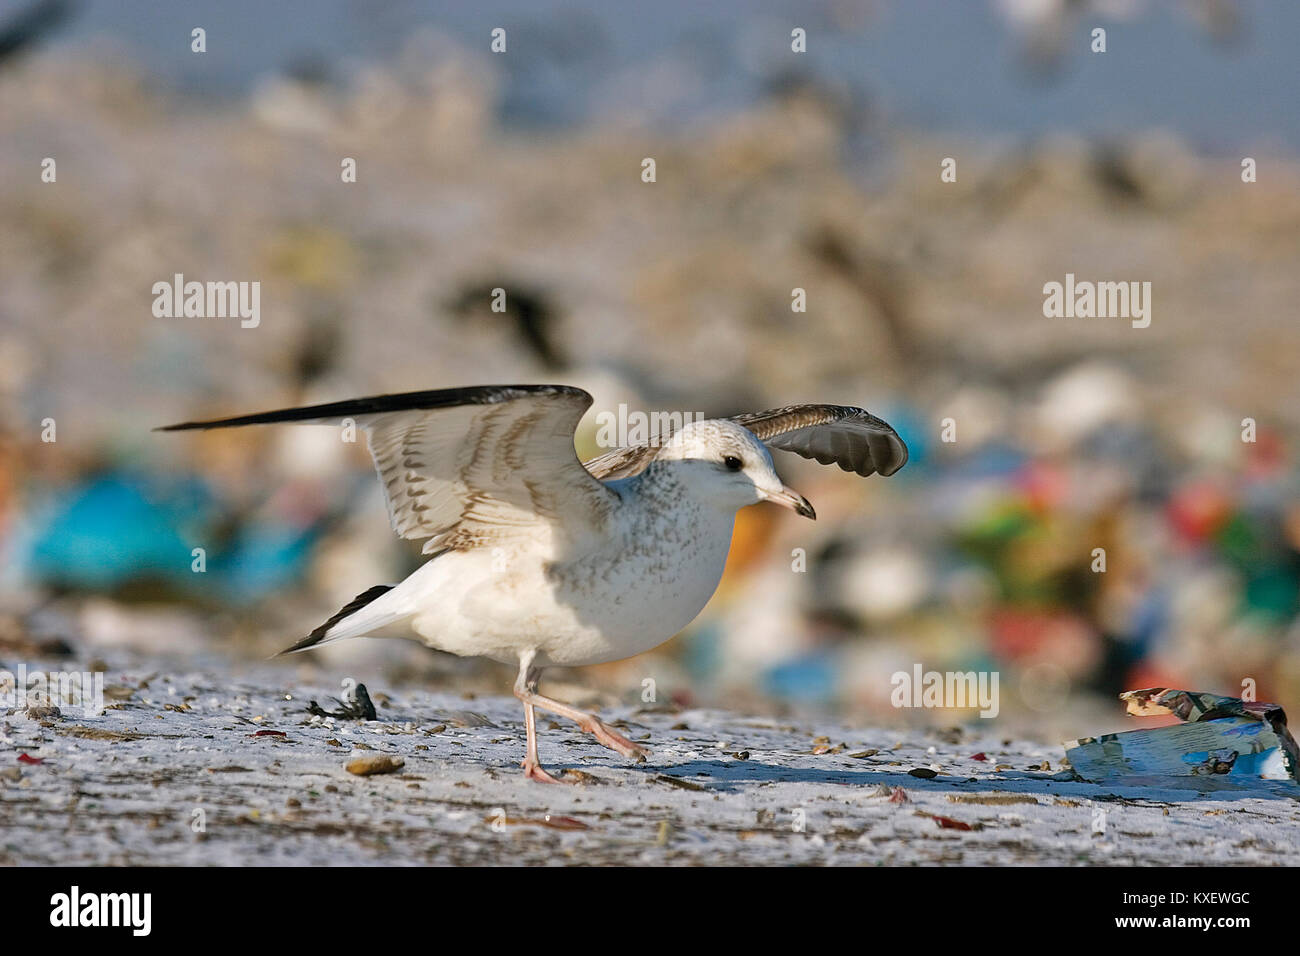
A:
{"x": 1224, "y": 740}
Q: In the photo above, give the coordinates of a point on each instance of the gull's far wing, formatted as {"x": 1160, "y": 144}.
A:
{"x": 850, "y": 437}
{"x": 470, "y": 467}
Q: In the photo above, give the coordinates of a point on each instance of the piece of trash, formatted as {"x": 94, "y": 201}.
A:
{"x": 27, "y": 758}
{"x": 579, "y": 776}
{"x": 947, "y": 823}
{"x": 550, "y": 820}
{"x": 1222, "y": 737}
{"x": 560, "y": 823}
{"x": 992, "y": 799}
{"x": 822, "y": 745}
{"x": 359, "y": 707}
{"x": 269, "y": 733}
{"x": 895, "y": 794}
{"x": 99, "y": 733}
{"x": 979, "y": 756}
{"x": 468, "y": 718}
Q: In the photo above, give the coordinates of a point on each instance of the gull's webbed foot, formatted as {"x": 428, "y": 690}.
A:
{"x": 612, "y": 739}
{"x": 535, "y": 771}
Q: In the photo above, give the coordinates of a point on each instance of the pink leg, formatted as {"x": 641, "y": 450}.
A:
{"x": 526, "y": 691}
{"x": 533, "y": 769}
{"x": 591, "y": 724}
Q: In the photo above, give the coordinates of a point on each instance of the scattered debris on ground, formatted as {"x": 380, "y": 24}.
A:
{"x": 245, "y": 775}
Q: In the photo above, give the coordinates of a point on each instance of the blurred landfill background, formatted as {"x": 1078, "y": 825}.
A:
{"x": 775, "y": 171}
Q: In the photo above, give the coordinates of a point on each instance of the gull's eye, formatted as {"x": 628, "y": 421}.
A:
{"x": 733, "y": 463}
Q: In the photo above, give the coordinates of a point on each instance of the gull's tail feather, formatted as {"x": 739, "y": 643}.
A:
{"x": 355, "y": 618}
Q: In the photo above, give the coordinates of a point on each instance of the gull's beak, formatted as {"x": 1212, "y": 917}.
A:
{"x": 789, "y": 498}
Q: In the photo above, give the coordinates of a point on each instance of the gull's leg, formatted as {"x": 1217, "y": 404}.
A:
{"x": 526, "y": 690}
{"x": 533, "y": 769}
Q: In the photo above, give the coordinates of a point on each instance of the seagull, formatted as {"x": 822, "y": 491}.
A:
{"x": 537, "y": 559}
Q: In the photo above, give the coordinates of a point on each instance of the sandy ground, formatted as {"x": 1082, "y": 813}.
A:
{"x": 180, "y": 770}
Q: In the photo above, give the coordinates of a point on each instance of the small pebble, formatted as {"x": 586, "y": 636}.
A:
{"x": 377, "y": 763}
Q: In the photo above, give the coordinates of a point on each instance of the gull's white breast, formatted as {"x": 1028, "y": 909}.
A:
{"x": 649, "y": 577}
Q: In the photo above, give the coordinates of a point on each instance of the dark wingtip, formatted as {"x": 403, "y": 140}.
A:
{"x": 897, "y": 460}
{"x": 379, "y": 404}
{"x": 318, "y": 636}
{"x": 307, "y": 643}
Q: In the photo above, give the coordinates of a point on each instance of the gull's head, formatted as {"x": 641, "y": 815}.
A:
{"x": 726, "y": 464}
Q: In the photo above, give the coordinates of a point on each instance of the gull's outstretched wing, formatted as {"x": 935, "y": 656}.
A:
{"x": 470, "y": 467}
{"x": 850, "y": 437}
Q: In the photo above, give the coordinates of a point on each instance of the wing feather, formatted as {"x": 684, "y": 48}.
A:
{"x": 468, "y": 467}
{"x": 849, "y": 437}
